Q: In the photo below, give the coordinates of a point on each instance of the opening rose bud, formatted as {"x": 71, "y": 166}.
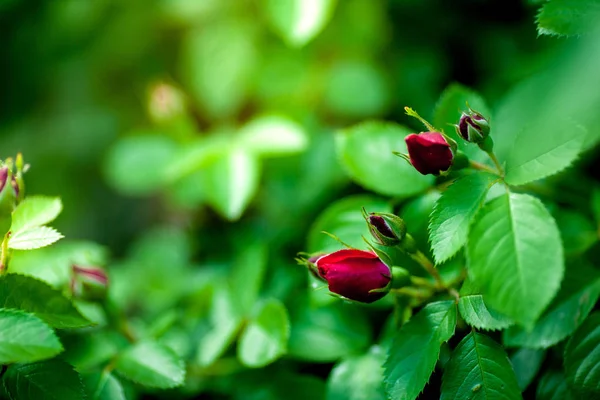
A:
{"x": 473, "y": 127}
{"x": 429, "y": 152}
{"x": 89, "y": 283}
{"x": 387, "y": 229}
{"x": 355, "y": 274}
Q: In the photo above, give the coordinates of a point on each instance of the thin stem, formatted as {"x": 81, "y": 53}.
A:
{"x": 429, "y": 267}
{"x": 4, "y": 253}
{"x": 483, "y": 167}
{"x": 412, "y": 113}
{"x": 496, "y": 163}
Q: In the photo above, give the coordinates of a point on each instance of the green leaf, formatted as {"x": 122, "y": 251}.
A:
{"x": 596, "y": 206}
{"x": 231, "y": 182}
{"x": 416, "y": 348}
{"x": 577, "y": 231}
{"x": 577, "y": 296}
{"x": 527, "y": 363}
{"x": 476, "y": 313}
{"x": 37, "y": 297}
{"x": 137, "y": 165}
{"x": 273, "y": 135}
{"x": 553, "y": 386}
{"x": 326, "y": 334}
{"x": 298, "y": 21}
{"x": 151, "y": 364}
{"x": 582, "y": 357}
{"x": 247, "y": 276}
{"x": 266, "y": 336}
{"x": 365, "y": 151}
{"x": 531, "y": 158}
{"x": 344, "y": 219}
{"x": 358, "y": 377}
{"x": 515, "y": 256}
{"x": 568, "y": 17}
{"x": 102, "y": 386}
{"x": 479, "y": 369}
{"x": 25, "y": 338}
{"x": 454, "y": 211}
{"x": 34, "y": 238}
{"x": 47, "y": 380}
{"x": 35, "y": 211}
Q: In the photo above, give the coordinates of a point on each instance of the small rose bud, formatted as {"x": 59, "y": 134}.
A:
{"x": 89, "y": 283}
{"x": 387, "y": 229}
{"x": 473, "y": 127}
{"x": 429, "y": 152}
{"x": 355, "y": 274}
{"x": 165, "y": 102}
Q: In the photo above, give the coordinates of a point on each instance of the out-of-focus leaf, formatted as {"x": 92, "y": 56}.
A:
{"x": 582, "y": 357}
{"x": 527, "y": 363}
{"x": 365, "y": 150}
{"x": 577, "y": 232}
{"x": 247, "y": 276}
{"x": 553, "y": 386}
{"x": 269, "y": 136}
{"x": 102, "y": 387}
{"x": 358, "y": 377}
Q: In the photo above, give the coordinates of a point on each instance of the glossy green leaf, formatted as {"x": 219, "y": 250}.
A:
{"x": 479, "y": 369}
{"x": 25, "y": 338}
{"x": 298, "y": 21}
{"x": 530, "y": 159}
{"x": 526, "y": 364}
{"x": 416, "y": 348}
{"x": 151, "y": 364}
{"x": 273, "y": 135}
{"x": 568, "y": 17}
{"x": 476, "y": 313}
{"x": 577, "y": 296}
{"x": 266, "y": 336}
{"x": 344, "y": 219}
{"x": 34, "y": 238}
{"x": 102, "y": 386}
{"x": 326, "y": 334}
{"x": 37, "y": 297}
{"x": 454, "y": 211}
{"x": 365, "y": 151}
{"x": 233, "y": 180}
{"x": 582, "y": 357}
{"x": 515, "y": 256}
{"x": 35, "y": 211}
{"x": 553, "y": 386}
{"x": 137, "y": 165}
{"x": 358, "y": 377}
{"x": 52, "y": 379}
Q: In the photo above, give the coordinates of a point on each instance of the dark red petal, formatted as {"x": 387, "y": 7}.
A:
{"x": 343, "y": 254}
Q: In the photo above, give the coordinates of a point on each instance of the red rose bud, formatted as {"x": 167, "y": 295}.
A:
{"x": 473, "y": 127}
{"x": 429, "y": 152}
{"x": 355, "y": 274}
{"x": 387, "y": 229}
{"x": 89, "y": 283}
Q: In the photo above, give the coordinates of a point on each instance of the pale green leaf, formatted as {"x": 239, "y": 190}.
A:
{"x": 416, "y": 348}
{"x": 515, "y": 256}
{"x": 34, "y": 238}
{"x": 35, "y": 211}
{"x": 46, "y": 380}
{"x": 582, "y": 357}
{"x": 344, "y": 219}
{"x": 568, "y": 17}
{"x": 266, "y": 336}
{"x": 273, "y": 136}
{"x": 476, "y": 313}
{"x": 531, "y": 158}
{"x": 454, "y": 211}
{"x": 576, "y": 298}
{"x": 527, "y": 363}
{"x": 479, "y": 369}
{"x": 102, "y": 386}
{"x": 298, "y": 21}
{"x": 151, "y": 364}
{"x": 25, "y": 338}
{"x": 231, "y": 182}
{"x": 358, "y": 377}
{"x": 365, "y": 151}
{"x": 246, "y": 278}
{"x": 37, "y": 297}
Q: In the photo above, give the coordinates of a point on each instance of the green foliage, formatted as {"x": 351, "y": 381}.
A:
{"x": 567, "y": 18}
{"x": 416, "y": 348}
{"x": 273, "y": 135}
{"x": 34, "y": 296}
{"x": 358, "y": 377}
{"x": 515, "y": 256}
{"x": 265, "y": 337}
{"x": 151, "y": 364}
{"x": 526, "y": 363}
{"x": 476, "y": 313}
{"x": 53, "y": 379}
{"x": 365, "y": 151}
{"x": 479, "y": 369}
{"x": 553, "y": 386}
{"x": 34, "y": 238}
{"x": 35, "y": 211}
{"x": 25, "y": 338}
{"x": 102, "y": 387}
{"x": 582, "y": 357}
{"x": 453, "y": 213}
